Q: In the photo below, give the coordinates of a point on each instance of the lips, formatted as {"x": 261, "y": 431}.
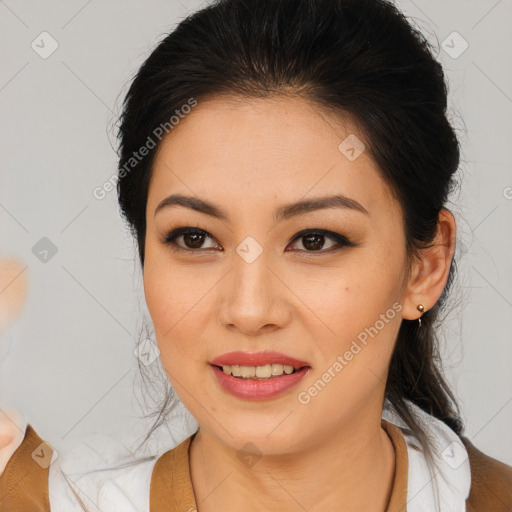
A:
{"x": 254, "y": 389}
{"x": 257, "y": 359}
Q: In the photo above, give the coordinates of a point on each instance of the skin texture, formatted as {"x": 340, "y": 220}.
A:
{"x": 249, "y": 157}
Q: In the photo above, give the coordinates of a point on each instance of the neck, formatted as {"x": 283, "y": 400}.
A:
{"x": 312, "y": 479}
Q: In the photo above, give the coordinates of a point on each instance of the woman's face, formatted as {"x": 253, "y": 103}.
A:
{"x": 248, "y": 283}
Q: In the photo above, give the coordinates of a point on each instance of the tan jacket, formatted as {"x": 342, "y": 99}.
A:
{"x": 24, "y": 484}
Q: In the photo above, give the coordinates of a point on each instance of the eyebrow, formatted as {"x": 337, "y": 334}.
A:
{"x": 282, "y": 213}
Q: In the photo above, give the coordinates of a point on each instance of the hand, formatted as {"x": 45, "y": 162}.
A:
{"x": 12, "y": 433}
{"x": 13, "y": 288}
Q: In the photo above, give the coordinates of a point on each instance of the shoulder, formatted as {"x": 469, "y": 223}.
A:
{"x": 120, "y": 487}
{"x": 100, "y": 473}
{"x": 24, "y": 479}
{"x": 472, "y": 478}
{"x": 92, "y": 476}
{"x": 491, "y": 482}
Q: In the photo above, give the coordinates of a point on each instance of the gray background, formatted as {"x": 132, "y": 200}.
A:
{"x": 68, "y": 363}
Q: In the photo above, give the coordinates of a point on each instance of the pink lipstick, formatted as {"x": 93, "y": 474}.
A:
{"x": 281, "y": 373}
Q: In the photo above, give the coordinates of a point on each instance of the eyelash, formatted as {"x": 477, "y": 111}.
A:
{"x": 342, "y": 241}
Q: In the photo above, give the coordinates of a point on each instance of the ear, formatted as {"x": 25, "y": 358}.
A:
{"x": 430, "y": 270}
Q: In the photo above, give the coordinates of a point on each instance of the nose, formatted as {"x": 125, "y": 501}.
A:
{"x": 254, "y": 300}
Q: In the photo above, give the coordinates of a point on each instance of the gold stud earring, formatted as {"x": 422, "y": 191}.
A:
{"x": 421, "y": 308}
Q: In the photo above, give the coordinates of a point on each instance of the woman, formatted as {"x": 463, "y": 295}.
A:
{"x": 284, "y": 166}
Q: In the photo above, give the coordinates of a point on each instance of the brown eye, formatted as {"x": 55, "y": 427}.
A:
{"x": 315, "y": 241}
{"x": 193, "y": 239}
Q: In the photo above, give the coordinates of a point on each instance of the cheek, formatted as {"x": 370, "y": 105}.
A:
{"x": 170, "y": 291}
{"x": 353, "y": 314}
{"x": 179, "y": 311}
{"x": 354, "y": 361}
{"x": 344, "y": 300}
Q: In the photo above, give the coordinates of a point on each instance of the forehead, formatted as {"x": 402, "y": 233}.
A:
{"x": 283, "y": 147}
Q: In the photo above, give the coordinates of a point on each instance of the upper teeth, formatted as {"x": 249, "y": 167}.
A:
{"x": 265, "y": 371}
